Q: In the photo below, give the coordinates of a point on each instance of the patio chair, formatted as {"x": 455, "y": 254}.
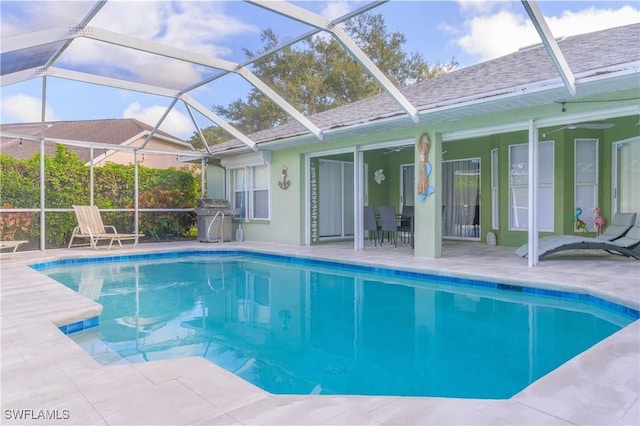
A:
{"x": 611, "y": 239}
{"x": 370, "y": 223}
{"x": 389, "y": 224}
{"x": 90, "y": 226}
{"x": 406, "y": 224}
{"x": 11, "y": 245}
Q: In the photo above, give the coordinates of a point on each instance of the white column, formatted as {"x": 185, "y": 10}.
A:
{"x": 533, "y": 194}
{"x": 358, "y": 199}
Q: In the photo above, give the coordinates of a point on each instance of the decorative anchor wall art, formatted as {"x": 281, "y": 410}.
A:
{"x": 284, "y": 182}
{"x": 424, "y": 145}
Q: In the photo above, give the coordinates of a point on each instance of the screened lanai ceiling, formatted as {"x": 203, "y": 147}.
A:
{"x": 105, "y": 43}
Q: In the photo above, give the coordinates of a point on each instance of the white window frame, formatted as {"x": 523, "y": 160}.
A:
{"x": 618, "y": 192}
{"x": 587, "y": 211}
{"x": 402, "y": 183}
{"x": 523, "y": 185}
{"x": 250, "y": 190}
{"x": 495, "y": 190}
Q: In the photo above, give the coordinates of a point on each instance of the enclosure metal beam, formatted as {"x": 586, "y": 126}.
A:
{"x": 80, "y": 27}
{"x": 194, "y": 58}
{"x": 198, "y": 130}
{"x": 219, "y": 121}
{"x": 99, "y": 145}
{"x": 154, "y": 90}
{"x": 36, "y": 38}
{"x": 292, "y": 41}
{"x": 159, "y": 123}
{"x": 43, "y": 224}
{"x": 550, "y": 43}
{"x": 110, "y": 82}
{"x": 307, "y": 17}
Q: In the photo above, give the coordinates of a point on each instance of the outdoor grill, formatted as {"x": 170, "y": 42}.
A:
{"x": 214, "y": 220}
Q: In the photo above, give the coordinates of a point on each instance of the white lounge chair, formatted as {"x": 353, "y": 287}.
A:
{"x": 11, "y": 245}
{"x": 90, "y": 226}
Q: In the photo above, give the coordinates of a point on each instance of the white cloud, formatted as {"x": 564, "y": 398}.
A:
{"x": 509, "y": 32}
{"x": 24, "y": 109}
{"x": 28, "y": 16}
{"x": 495, "y": 30}
{"x": 203, "y": 27}
{"x": 592, "y": 19}
{"x": 175, "y": 123}
{"x": 335, "y": 9}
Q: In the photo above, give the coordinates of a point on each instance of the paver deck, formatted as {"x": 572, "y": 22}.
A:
{"x": 44, "y": 373}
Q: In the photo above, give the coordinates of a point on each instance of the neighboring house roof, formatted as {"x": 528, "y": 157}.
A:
{"x": 517, "y": 78}
{"x": 105, "y": 132}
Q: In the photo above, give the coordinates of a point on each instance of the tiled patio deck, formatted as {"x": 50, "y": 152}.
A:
{"x": 44, "y": 370}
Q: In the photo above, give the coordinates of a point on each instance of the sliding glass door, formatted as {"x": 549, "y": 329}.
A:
{"x": 335, "y": 198}
{"x": 461, "y": 199}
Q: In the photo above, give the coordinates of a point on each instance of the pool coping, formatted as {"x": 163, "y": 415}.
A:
{"x": 573, "y": 393}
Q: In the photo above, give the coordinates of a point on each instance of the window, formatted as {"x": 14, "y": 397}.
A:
{"x": 495, "y": 205}
{"x": 251, "y": 191}
{"x": 626, "y": 175}
{"x": 586, "y": 179}
{"x": 519, "y": 186}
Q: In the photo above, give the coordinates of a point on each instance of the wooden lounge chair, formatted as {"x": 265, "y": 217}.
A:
{"x": 11, "y": 245}
{"x": 612, "y": 239}
{"x": 90, "y": 226}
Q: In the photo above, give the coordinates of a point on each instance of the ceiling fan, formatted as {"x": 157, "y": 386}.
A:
{"x": 397, "y": 149}
{"x": 572, "y": 126}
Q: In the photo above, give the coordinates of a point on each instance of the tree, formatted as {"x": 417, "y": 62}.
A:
{"x": 320, "y": 75}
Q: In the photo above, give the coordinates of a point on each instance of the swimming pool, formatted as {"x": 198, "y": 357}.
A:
{"x": 301, "y": 326}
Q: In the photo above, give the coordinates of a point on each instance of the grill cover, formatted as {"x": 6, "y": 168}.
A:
{"x": 214, "y": 219}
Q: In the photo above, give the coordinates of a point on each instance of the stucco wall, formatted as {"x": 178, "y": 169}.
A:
{"x": 157, "y": 161}
{"x": 287, "y": 224}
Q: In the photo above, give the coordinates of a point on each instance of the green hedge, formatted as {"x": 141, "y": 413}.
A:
{"x": 67, "y": 181}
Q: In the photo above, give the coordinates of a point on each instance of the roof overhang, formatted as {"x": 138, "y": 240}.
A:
{"x": 600, "y": 82}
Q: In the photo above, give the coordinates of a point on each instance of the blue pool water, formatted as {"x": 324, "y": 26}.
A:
{"x": 298, "y": 327}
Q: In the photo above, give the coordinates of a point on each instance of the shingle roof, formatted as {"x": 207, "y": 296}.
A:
{"x": 108, "y": 131}
{"x": 586, "y": 54}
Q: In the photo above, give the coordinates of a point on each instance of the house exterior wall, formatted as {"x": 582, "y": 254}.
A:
{"x": 157, "y": 161}
{"x": 287, "y": 224}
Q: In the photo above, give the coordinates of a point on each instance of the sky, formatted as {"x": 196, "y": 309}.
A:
{"x": 468, "y": 32}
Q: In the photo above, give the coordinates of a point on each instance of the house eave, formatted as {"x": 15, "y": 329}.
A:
{"x": 595, "y": 82}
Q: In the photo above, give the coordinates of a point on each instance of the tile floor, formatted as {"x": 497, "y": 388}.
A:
{"x": 44, "y": 373}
